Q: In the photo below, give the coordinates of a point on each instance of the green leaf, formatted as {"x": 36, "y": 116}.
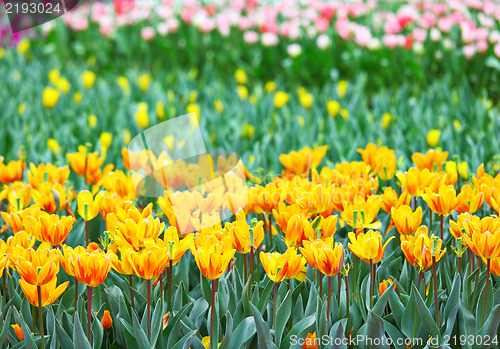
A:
{"x": 157, "y": 321}
{"x": 283, "y": 314}
{"x": 374, "y": 329}
{"x": 427, "y": 319}
{"x": 185, "y": 341}
{"x": 229, "y": 332}
{"x": 171, "y": 332}
{"x": 396, "y": 336}
{"x": 97, "y": 332}
{"x": 64, "y": 340}
{"x": 490, "y": 327}
{"x": 480, "y": 306}
{"x": 379, "y": 307}
{"x": 243, "y": 333}
{"x": 5, "y": 327}
{"x": 466, "y": 323}
{"x": 299, "y": 330}
{"x": 140, "y": 336}
{"x": 80, "y": 340}
{"x": 263, "y": 332}
{"x": 200, "y": 307}
{"x": 410, "y": 320}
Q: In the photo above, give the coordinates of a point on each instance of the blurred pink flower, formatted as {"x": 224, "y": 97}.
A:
{"x": 419, "y": 34}
{"x": 250, "y": 37}
{"x": 482, "y": 46}
{"x": 469, "y": 51}
{"x": 148, "y": 33}
{"x": 269, "y": 39}
{"x": 496, "y": 49}
{"x": 445, "y": 24}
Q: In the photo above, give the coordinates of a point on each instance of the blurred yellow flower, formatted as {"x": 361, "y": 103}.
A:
{"x": 88, "y": 79}
{"x": 160, "y": 110}
{"x": 193, "y": 108}
{"x": 92, "y": 121}
{"x": 144, "y": 81}
{"x": 387, "y": 120}
{"x": 457, "y": 124}
{"x": 344, "y": 113}
{"x": 50, "y": 97}
{"x": 142, "y": 117}
{"x": 240, "y": 76}
{"x": 433, "y": 137}
{"x": 247, "y": 131}
{"x": 23, "y": 46}
{"x": 22, "y": 108}
{"x": 253, "y": 99}
{"x": 270, "y": 86}
{"x": 53, "y": 146}
{"x": 333, "y": 108}
{"x": 306, "y": 99}
{"x": 219, "y": 107}
{"x": 342, "y": 88}
{"x": 63, "y": 85}
{"x": 126, "y": 136}
{"x": 169, "y": 142}
{"x": 77, "y": 97}
{"x": 54, "y": 76}
{"x": 193, "y": 95}
{"x": 106, "y": 138}
{"x": 122, "y": 81}
{"x": 243, "y": 92}
{"x": 280, "y": 99}
{"x": 2, "y": 52}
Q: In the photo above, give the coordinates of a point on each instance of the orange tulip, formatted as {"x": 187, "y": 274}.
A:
{"x": 88, "y": 165}
{"x": 381, "y": 160}
{"x": 368, "y": 246}
{"x": 324, "y": 255}
{"x": 382, "y": 287}
{"x": 485, "y": 244}
{"x": 107, "y": 320}
{"x": 405, "y": 220}
{"x": 51, "y": 228}
{"x": 88, "y": 267}
{"x": 51, "y": 197}
{"x": 444, "y": 201}
{"x": 35, "y": 267}
{"x": 19, "y": 331}
{"x": 299, "y": 162}
{"x": 12, "y": 171}
{"x": 18, "y": 220}
{"x": 316, "y": 199}
{"x": 137, "y": 235}
{"x": 47, "y": 173}
{"x": 18, "y": 196}
{"x": 284, "y": 212}
{"x": 471, "y": 201}
{"x": 390, "y": 199}
{"x": 494, "y": 266}
{"x": 418, "y": 249}
{"x": 280, "y": 266}
{"x": 239, "y": 231}
{"x": 212, "y": 255}
{"x": 49, "y": 291}
{"x": 415, "y": 181}
{"x": 268, "y": 197}
{"x": 362, "y": 213}
{"x": 311, "y": 342}
{"x": 176, "y": 247}
{"x": 432, "y": 160}
{"x": 112, "y": 202}
{"x": 298, "y": 229}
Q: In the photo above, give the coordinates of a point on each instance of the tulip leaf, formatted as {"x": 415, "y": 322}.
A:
{"x": 410, "y": 321}
{"x": 140, "y": 336}
{"x": 51, "y": 328}
{"x": 398, "y": 339}
{"x": 157, "y": 321}
{"x": 64, "y": 340}
{"x": 300, "y": 330}
{"x": 282, "y": 315}
{"x": 229, "y": 332}
{"x": 451, "y": 307}
{"x": 298, "y": 310}
{"x": 466, "y": 323}
{"x": 243, "y": 333}
{"x": 5, "y": 327}
{"x": 265, "y": 295}
{"x": 185, "y": 342}
{"x": 28, "y": 341}
{"x": 200, "y": 307}
{"x": 263, "y": 332}
{"x": 490, "y": 327}
{"x": 26, "y": 313}
{"x": 337, "y": 332}
{"x": 397, "y": 308}
{"x": 373, "y": 332}
{"x": 428, "y": 321}
{"x": 379, "y": 306}
{"x": 480, "y": 306}
{"x": 80, "y": 340}
{"x": 128, "y": 334}
{"x": 171, "y": 332}
{"x": 97, "y": 332}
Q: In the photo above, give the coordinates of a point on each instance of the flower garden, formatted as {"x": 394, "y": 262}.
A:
{"x": 358, "y": 146}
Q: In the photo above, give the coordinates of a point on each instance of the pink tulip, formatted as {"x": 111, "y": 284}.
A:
{"x": 148, "y": 33}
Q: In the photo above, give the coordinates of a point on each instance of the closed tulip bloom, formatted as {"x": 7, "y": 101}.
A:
{"x": 212, "y": 254}
{"x": 88, "y": 207}
{"x": 36, "y": 267}
{"x": 368, "y": 246}
{"x": 12, "y": 171}
{"x": 137, "y": 235}
{"x": 444, "y": 201}
{"x": 275, "y": 265}
{"x": 88, "y": 267}
{"x": 107, "y": 320}
{"x": 362, "y": 213}
{"x": 316, "y": 199}
{"x": 485, "y": 244}
{"x": 382, "y": 287}
{"x": 423, "y": 250}
{"x": 239, "y": 231}
{"x": 19, "y": 331}
{"x": 284, "y": 212}
{"x": 299, "y": 162}
{"x": 298, "y": 229}
{"x": 472, "y": 200}
{"x": 433, "y": 160}
{"x": 405, "y": 220}
{"x": 415, "y": 180}
{"x": 295, "y": 263}
{"x": 50, "y": 228}
{"x": 49, "y": 291}
{"x": 269, "y": 198}
{"x": 324, "y": 255}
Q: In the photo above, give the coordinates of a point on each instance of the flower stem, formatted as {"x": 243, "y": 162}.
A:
{"x": 212, "y": 342}
{"x": 39, "y": 291}
{"x": 245, "y": 265}
{"x": 459, "y": 262}
{"x": 89, "y": 313}
{"x": 251, "y": 270}
{"x": 131, "y": 293}
{"x": 435, "y": 288}
{"x": 442, "y": 230}
{"x": 328, "y": 303}
{"x": 274, "y": 310}
{"x": 347, "y": 301}
{"x": 486, "y": 290}
{"x": 87, "y": 232}
{"x": 149, "y": 309}
{"x": 338, "y": 288}
{"x": 169, "y": 284}
{"x": 320, "y": 282}
{"x": 271, "y": 239}
{"x": 372, "y": 282}
{"x": 76, "y": 293}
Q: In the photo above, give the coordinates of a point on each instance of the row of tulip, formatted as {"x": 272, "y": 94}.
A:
{"x": 310, "y": 229}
